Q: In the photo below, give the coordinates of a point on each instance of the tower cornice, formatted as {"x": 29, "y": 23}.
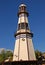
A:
{"x": 25, "y": 12}
{"x": 31, "y": 34}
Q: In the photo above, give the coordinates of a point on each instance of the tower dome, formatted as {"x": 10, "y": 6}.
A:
{"x": 22, "y": 9}
{"x": 22, "y": 5}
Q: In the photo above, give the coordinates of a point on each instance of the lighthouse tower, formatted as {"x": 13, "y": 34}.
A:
{"x": 23, "y": 50}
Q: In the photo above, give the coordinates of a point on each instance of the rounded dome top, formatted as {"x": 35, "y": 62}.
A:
{"x": 22, "y": 5}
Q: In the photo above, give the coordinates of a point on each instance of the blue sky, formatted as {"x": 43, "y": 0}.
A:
{"x": 9, "y": 19}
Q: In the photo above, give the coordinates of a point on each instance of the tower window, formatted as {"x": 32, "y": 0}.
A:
{"x": 23, "y": 26}
{"x": 18, "y": 26}
{"x": 27, "y": 26}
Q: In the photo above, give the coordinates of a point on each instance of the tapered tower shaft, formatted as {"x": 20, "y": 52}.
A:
{"x": 23, "y": 46}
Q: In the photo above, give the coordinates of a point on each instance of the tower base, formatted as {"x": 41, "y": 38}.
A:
{"x": 24, "y": 63}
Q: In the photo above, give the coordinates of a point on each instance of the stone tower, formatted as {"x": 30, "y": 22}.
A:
{"x": 23, "y": 50}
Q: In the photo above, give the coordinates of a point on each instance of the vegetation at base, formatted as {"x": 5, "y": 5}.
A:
{"x": 40, "y": 55}
{"x": 5, "y": 55}
{"x": 9, "y": 55}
